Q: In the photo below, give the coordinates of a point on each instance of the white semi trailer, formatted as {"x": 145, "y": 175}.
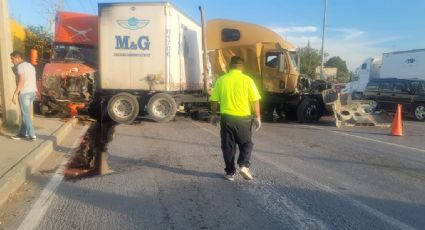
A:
{"x": 150, "y": 58}
{"x": 403, "y": 64}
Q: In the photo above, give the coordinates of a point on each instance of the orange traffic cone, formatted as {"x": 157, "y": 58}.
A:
{"x": 397, "y": 127}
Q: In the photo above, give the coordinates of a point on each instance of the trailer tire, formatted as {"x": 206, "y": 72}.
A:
{"x": 419, "y": 112}
{"x": 123, "y": 108}
{"x": 309, "y": 111}
{"x": 162, "y": 107}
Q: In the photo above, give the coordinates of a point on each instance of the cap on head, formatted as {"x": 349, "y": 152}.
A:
{"x": 236, "y": 61}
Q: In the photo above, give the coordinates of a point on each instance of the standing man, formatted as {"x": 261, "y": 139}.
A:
{"x": 25, "y": 93}
{"x": 238, "y": 96}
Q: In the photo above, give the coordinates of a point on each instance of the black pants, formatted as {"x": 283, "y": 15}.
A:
{"x": 236, "y": 130}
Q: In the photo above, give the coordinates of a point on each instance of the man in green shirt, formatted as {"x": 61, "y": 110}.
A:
{"x": 238, "y": 96}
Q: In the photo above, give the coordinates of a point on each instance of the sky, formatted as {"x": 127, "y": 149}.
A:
{"x": 355, "y": 30}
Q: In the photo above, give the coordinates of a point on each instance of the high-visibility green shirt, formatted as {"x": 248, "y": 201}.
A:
{"x": 235, "y": 91}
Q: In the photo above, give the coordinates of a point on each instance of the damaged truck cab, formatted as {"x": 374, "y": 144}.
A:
{"x": 273, "y": 64}
{"x": 69, "y": 78}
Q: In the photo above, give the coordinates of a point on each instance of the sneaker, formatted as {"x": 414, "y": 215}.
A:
{"x": 230, "y": 177}
{"x": 19, "y": 137}
{"x": 244, "y": 171}
{"x": 34, "y": 138}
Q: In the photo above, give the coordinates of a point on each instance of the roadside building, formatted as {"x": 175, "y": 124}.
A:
{"x": 328, "y": 72}
{"x": 18, "y": 35}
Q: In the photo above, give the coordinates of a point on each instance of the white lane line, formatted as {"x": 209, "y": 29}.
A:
{"x": 279, "y": 204}
{"x": 369, "y": 139}
{"x": 41, "y": 206}
{"x": 385, "y": 218}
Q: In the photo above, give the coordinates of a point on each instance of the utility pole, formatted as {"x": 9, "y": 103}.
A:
{"x": 323, "y": 40}
{"x": 7, "y": 79}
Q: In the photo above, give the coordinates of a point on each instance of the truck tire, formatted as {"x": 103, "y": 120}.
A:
{"x": 162, "y": 107}
{"x": 309, "y": 111}
{"x": 419, "y": 112}
{"x": 123, "y": 108}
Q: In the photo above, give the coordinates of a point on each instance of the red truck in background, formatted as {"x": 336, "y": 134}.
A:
{"x": 69, "y": 78}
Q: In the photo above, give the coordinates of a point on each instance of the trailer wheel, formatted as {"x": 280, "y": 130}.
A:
{"x": 309, "y": 111}
{"x": 162, "y": 107}
{"x": 419, "y": 112}
{"x": 123, "y": 108}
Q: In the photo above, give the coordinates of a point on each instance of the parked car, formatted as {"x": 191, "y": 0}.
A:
{"x": 388, "y": 92}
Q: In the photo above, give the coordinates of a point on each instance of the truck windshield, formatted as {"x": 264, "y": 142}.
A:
{"x": 73, "y": 53}
{"x": 294, "y": 59}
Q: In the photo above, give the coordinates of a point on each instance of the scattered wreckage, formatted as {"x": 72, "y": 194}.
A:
{"x": 356, "y": 113}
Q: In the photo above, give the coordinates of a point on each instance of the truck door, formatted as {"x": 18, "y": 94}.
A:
{"x": 402, "y": 95}
{"x": 384, "y": 96}
{"x": 274, "y": 70}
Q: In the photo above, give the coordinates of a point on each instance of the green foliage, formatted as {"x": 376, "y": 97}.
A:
{"x": 342, "y": 74}
{"x": 310, "y": 58}
{"x": 353, "y": 76}
{"x": 37, "y": 38}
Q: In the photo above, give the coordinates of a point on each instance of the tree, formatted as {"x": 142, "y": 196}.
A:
{"x": 309, "y": 60}
{"x": 342, "y": 74}
{"x": 37, "y": 38}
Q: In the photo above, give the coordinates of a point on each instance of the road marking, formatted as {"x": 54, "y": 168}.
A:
{"x": 385, "y": 218}
{"x": 369, "y": 139}
{"x": 41, "y": 206}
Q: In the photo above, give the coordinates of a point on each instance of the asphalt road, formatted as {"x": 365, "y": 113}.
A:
{"x": 170, "y": 176}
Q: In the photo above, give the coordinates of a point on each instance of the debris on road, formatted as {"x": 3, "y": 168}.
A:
{"x": 355, "y": 113}
{"x": 90, "y": 159}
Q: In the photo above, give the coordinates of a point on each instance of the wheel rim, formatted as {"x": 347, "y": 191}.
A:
{"x": 161, "y": 108}
{"x": 122, "y": 108}
{"x": 420, "y": 112}
{"x": 311, "y": 112}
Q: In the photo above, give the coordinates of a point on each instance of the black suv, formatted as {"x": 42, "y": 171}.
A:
{"x": 388, "y": 92}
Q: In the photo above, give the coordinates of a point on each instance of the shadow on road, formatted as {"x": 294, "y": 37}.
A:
{"x": 126, "y": 164}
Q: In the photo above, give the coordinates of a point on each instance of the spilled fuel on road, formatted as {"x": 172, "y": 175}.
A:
{"x": 91, "y": 157}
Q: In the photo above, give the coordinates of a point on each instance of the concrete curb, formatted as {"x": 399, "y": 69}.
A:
{"x": 18, "y": 174}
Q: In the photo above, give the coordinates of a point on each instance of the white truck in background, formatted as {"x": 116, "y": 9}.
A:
{"x": 401, "y": 64}
{"x": 369, "y": 69}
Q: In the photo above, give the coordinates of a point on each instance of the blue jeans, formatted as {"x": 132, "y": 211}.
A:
{"x": 25, "y": 101}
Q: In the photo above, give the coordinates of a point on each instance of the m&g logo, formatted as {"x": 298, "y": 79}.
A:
{"x": 124, "y": 42}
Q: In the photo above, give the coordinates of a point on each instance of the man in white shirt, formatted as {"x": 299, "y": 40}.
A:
{"x": 25, "y": 93}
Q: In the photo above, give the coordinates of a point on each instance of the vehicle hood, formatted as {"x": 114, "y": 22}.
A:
{"x": 66, "y": 69}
